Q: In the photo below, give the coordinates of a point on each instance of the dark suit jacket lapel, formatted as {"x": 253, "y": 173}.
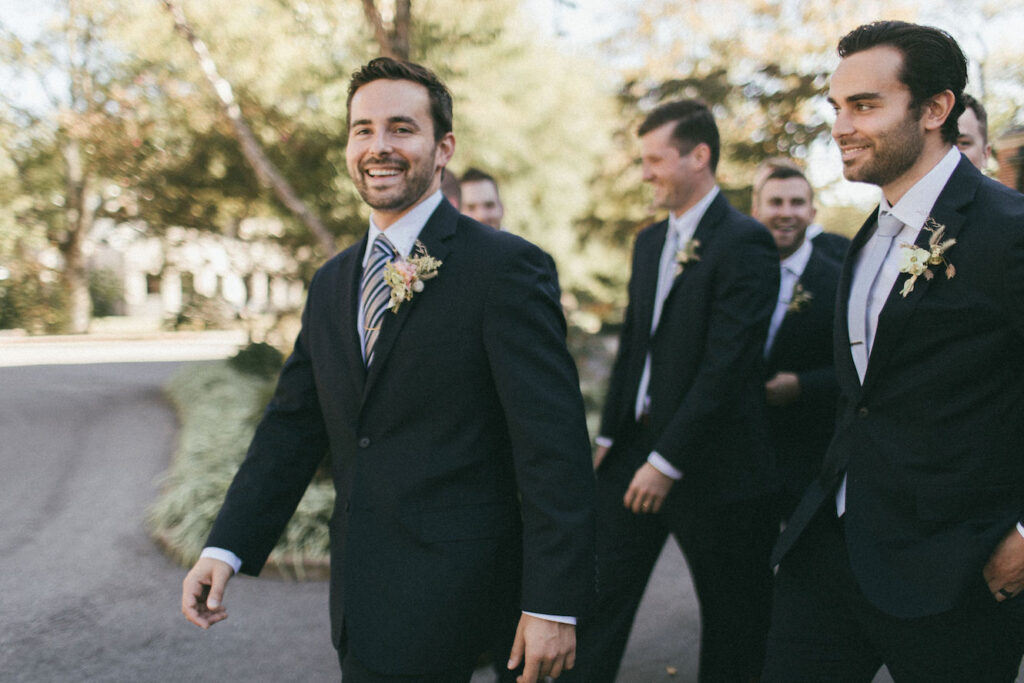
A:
{"x": 435, "y": 236}
{"x": 702, "y": 235}
{"x": 892, "y": 319}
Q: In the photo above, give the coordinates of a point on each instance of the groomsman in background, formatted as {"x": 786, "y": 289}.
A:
{"x": 973, "y": 137}
{"x": 801, "y": 389}
{"x": 684, "y": 446}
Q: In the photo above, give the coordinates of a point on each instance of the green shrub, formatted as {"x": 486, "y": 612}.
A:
{"x": 106, "y": 292}
{"x": 258, "y": 358}
{"x": 218, "y": 408}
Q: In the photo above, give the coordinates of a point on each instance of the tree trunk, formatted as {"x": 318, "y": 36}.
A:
{"x": 79, "y": 222}
{"x": 393, "y": 43}
{"x": 265, "y": 170}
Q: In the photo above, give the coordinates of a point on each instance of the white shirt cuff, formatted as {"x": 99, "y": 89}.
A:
{"x": 604, "y": 441}
{"x": 224, "y": 556}
{"x": 1020, "y": 528}
{"x": 549, "y": 617}
{"x": 659, "y": 463}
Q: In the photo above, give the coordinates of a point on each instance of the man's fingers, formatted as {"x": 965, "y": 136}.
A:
{"x": 518, "y": 646}
{"x": 531, "y": 671}
{"x": 202, "y": 592}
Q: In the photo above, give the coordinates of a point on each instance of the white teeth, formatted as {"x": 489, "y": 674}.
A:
{"x": 381, "y": 173}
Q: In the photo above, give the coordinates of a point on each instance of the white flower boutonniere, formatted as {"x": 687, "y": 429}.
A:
{"x": 916, "y": 261}
{"x": 686, "y": 255}
{"x": 406, "y": 276}
{"x": 799, "y": 299}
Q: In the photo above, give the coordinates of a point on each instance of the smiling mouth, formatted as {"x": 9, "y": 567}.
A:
{"x": 851, "y": 152}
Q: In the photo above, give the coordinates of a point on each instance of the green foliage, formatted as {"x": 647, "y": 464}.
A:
{"x": 218, "y": 408}
{"x": 106, "y": 292}
{"x": 32, "y": 298}
{"x": 258, "y": 358}
{"x": 199, "y": 312}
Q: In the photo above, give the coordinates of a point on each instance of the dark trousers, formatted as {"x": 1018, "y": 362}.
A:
{"x": 824, "y": 629}
{"x": 354, "y": 671}
{"x": 727, "y": 549}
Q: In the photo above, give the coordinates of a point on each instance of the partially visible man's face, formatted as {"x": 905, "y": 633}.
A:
{"x": 785, "y": 207}
{"x": 480, "y": 202}
{"x": 970, "y": 141}
{"x": 879, "y": 136}
{"x": 391, "y": 155}
{"x": 672, "y": 176}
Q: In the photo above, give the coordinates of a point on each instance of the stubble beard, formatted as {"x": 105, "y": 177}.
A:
{"x": 896, "y": 152}
{"x": 400, "y": 197}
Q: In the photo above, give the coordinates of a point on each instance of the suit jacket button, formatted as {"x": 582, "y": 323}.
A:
{"x": 364, "y": 442}
{"x": 862, "y": 411}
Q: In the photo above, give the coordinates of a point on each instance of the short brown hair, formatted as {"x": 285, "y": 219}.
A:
{"x": 401, "y": 70}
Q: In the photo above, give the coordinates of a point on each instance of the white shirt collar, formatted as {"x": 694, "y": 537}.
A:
{"x": 915, "y": 206}
{"x": 797, "y": 261}
{"x": 686, "y": 224}
{"x": 404, "y": 232}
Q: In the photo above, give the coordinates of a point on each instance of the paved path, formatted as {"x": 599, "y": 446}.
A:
{"x": 86, "y": 596}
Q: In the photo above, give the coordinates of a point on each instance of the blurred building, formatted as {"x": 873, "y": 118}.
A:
{"x": 1009, "y": 151}
{"x": 160, "y": 275}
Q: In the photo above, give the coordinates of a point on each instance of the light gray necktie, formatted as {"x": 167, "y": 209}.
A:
{"x": 666, "y": 276}
{"x": 375, "y": 293}
{"x": 864, "y": 279}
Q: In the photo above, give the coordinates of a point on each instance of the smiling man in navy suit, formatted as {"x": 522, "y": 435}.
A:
{"x": 907, "y": 549}
{"x": 432, "y": 369}
{"x": 684, "y": 448}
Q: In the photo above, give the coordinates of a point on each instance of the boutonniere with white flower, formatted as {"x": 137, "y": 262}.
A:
{"x": 686, "y": 255}
{"x": 405, "y": 276}
{"x": 916, "y": 261}
{"x": 799, "y": 299}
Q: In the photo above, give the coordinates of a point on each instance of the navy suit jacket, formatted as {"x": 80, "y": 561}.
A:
{"x": 707, "y": 372}
{"x": 460, "y": 459}
{"x": 803, "y": 345}
{"x": 933, "y": 442}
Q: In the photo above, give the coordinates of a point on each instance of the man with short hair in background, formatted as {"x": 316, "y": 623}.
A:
{"x": 801, "y": 388}
{"x": 973, "y": 137}
{"x": 480, "y": 198}
{"x": 683, "y": 447}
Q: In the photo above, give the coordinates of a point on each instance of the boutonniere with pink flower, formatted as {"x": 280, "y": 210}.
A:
{"x": 799, "y": 299}
{"x": 686, "y": 255}
{"x": 405, "y": 276}
{"x": 917, "y": 262}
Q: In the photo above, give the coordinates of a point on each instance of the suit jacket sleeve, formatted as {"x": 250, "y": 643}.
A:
{"x": 536, "y": 381}
{"x": 743, "y": 294}
{"x": 289, "y": 443}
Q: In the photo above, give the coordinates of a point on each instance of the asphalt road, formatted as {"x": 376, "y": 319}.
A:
{"x": 86, "y": 596}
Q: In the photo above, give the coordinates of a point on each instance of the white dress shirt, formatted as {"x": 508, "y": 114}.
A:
{"x": 912, "y": 210}
{"x": 792, "y": 268}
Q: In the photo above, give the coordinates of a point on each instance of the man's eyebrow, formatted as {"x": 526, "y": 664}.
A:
{"x": 403, "y": 119}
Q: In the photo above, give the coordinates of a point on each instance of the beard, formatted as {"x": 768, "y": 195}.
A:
{"x": 895, "y": 152}
{"x": 397, "y": 197}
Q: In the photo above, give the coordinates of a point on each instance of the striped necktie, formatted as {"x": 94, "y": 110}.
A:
{"x": 376, "y": 294}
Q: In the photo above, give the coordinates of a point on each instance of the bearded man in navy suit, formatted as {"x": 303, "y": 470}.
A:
{"x": 907, "y": 549}
{"x": 432, "y": 369}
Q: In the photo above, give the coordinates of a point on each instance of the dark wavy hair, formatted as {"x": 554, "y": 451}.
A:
{"x": 400, "y": 70}
{"x": 932, "y": 62}
{"x": 694, "y": 124}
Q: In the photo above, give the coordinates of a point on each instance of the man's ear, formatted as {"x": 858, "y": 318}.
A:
{"x": 445, "y": 150}
{"x": 702, "y": 154}
{"x": 937, "y": 109}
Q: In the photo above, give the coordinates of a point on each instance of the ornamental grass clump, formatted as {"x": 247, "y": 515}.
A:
{"x": 218, "y": 408}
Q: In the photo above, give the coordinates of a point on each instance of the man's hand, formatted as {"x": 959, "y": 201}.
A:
{"x": 549, "y": 648}
{"x": 647, "y": 491}
{"x": 599, "y": 453}
{"x": 782, "y": 390}
{"x": 202, "y": 592}
{"x": 1004, "y": 571}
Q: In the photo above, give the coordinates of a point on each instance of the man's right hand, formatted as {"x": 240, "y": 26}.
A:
{"x": 599, "y": 453}
{"x": 202, "y": 592}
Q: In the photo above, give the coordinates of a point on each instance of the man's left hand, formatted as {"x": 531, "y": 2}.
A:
{"x": 1004, "y": 571}
{"x": 782, "y": 390}
{"x": 647, "y": 491}
{"x": 546, "y": 648}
